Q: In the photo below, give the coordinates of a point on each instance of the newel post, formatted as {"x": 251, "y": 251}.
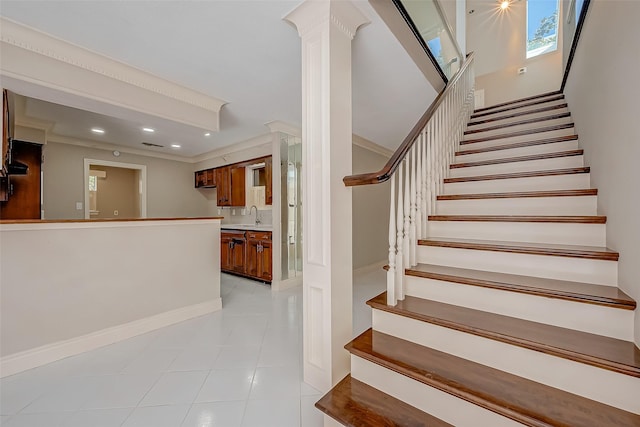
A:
{"x": 326, "y": 29}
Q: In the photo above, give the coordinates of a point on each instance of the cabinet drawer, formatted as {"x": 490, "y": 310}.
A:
{"x": 259, "y": 235}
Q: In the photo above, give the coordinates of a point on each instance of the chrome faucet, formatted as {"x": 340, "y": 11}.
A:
{"x": 258, "y": 221}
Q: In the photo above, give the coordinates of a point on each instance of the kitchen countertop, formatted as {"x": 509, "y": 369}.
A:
{"x": 260, "y": 227}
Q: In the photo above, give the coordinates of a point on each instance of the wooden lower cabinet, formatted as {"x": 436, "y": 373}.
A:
{"x": 247, "y": 253}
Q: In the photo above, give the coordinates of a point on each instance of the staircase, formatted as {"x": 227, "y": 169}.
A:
{"x": 511, "y": 315}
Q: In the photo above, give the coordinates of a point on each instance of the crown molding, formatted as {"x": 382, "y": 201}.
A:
{"x": 260, "y": 140}
{"x": 112, "y": 147}
{"x": 371, "y": 146}
{"x": 278, "y": 126}
{"x": 310, "y": 16}
{"x": 43, "y": 60}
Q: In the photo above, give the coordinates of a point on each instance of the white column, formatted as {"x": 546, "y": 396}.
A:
{"x": 326, "y": 28}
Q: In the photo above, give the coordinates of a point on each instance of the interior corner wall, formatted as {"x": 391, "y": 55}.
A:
{"x": 602, "y": 93}
{"x": 170, "y": 184}
{"x": 370, "y": 227}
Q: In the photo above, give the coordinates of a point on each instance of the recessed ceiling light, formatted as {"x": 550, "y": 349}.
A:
{"x": 207, "y": 134}
{"x": 175, "y": 145}
{"x": 97, "y": 130}
{"x": 150, "y": 130}
{"x": 504, "y": 4}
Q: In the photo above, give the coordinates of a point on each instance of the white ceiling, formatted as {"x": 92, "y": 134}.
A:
{"x": 239, "y": 51}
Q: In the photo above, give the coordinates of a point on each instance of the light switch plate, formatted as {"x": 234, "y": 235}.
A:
{"x": 78, "y": 206}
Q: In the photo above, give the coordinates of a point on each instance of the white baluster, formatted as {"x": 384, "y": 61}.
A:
{"x": 391, "y": 273}
{"x": 412, "y": 216}
{"x": 400, "y": 236}
{"x": 423, "y": 183}
{"x": 419, "y": 211}
{"x": 406, "y": 247}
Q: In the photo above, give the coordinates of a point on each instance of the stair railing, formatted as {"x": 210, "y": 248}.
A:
{"x": 417, "y": 169}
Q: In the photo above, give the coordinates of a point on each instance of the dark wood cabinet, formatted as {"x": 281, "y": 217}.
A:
{"x": 268, "y": 172}
{"x": 247, "y": 254}
{"x": 223, "y": 182}
{"x": 237, "y": 188}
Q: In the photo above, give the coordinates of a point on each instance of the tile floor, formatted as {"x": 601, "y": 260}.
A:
{"x": 237, "y": 367}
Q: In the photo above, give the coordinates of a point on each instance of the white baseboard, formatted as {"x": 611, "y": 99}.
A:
{"x": 28, "y": 359}
{"x": 286, "y": 284}
{"x": 369, "y": 268}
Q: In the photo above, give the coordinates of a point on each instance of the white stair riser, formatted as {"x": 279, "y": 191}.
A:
{"x": 442, "y": 405}
{"x": 569, "y": 205}
{"x": 516, "y": 152}
{"x": 577, "y": 181}
{"x": 523, "y": 166}
{"x": 573, "y": 377}
{"x": 533, "y": 232}
{"x": 517, "y": 128}
{"x": 600, "y": 272}
{"x": 515, "y": 119}
{"x": 518, "y": 108}
{"x": 512, "y": 139}
{"x": 592, "y": 318}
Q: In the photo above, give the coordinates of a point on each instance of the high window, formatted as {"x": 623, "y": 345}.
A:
{"x": 542, "y": 27}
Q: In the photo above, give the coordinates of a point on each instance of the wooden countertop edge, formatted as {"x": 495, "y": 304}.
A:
{"x": 67, "y": 221}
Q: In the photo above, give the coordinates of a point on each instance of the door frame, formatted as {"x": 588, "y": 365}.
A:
{"x": 142, "y": 184}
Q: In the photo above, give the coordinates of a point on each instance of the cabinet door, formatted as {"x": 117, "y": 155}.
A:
{"x": 200, "y": 178}
{"x": 211, "y": 177}
{"x": 238, "y": 256}
{"x": 265, "y": 260}
{"x": 225, "y": 252}
{"x": 222, "y": 186}
{"x": 237, "y": 186}
{"x": 268, "y": 169}
{"x": 252, "y": 257}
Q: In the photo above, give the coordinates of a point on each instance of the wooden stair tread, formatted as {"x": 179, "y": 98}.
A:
{"x": 483, "y": 113}
{"x": 521, "y": 194}
{"x": 595, "y": 350}
{"x": 610, "y": 296}
{"x": 585, "y": 219}
{"x": 540, "y": 156}
{"x": 571, "y": 251}
{"x": 522, "y": 400}
{"x": 518, "y": 133}
{"x": 519, "y": 100}
{"x": 518, "y": 145}
{"x": 356, "y": 404}
{"x": 528, "y": 174}
{"x": 519, "y": 114}
{"x": 518, "y": 123}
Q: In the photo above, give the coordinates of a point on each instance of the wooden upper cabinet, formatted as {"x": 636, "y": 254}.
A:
{"x": 223, "y": 182}
{"x": 237, "y": 185}
{"x": 268, "y": 169}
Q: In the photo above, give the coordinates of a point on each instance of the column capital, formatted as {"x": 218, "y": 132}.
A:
{"x": 342, "y": 14}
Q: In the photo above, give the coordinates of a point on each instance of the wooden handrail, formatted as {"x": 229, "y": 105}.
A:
{"x": 385, "y": 173}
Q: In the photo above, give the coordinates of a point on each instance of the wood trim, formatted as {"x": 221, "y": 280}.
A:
{"x": 596, "y": 350}
{"x": 518, "y": 123}
{"x": 517, "y": 101}
{"x": 521, "y": 218}
{"x": 521, "y": 194}
{"x": 523, "y": 113}
{"x": 518, "y": 133}
{"x": 529, "y": 174}
{"x": 354, "y": 403}
{"x": 608, "y": 296}
{"x": 574, "y": 42}
{"x": 525, "y": 401}
{"x": 518, "y": 145}
{"x": 390, "y": 167}
{"x": 541, "y": 156}
{"x": 528, "y": 104}
{"x": 547, "y": 249}
{"x": 67, "y": 221}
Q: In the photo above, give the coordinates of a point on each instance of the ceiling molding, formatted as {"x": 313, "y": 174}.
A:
{"x": 278, "y": 126}
{"x": 43, "y": 60}
{"x": 113, "y": 147}
{"x": 371, "y": 146}
{"x": 234, "y": 148}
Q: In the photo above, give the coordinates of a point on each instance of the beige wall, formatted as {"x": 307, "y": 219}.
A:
{"x": 117, "y": 192}
{"x": 602, "y": 92}
{"x": 499, "y": 42}
{"x": 370, "y": 212}
{"x": 170, "y": 184}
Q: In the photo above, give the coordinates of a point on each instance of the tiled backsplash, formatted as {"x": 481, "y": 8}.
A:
{"x": 236, "y": 216}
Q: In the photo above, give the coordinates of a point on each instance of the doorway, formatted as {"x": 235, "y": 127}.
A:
{"x": 25, "y": 190}
{"x": 114, "y": 190}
